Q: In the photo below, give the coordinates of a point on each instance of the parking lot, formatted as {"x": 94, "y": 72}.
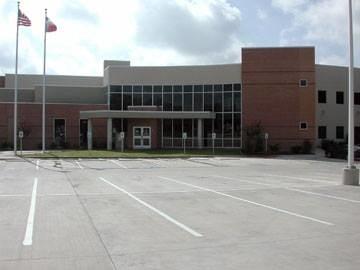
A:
{"x": 197, "y": 213}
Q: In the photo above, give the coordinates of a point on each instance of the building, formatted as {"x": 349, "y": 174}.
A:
{"x": 283, "y": 89}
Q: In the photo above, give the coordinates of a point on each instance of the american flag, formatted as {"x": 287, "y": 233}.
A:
{"x": 23, "y": 19}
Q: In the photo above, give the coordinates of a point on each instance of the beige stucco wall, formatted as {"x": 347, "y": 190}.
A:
{"x": 115, "y": 75}
{"x": 30, "y": 81}
{"x": 333, "y": 79}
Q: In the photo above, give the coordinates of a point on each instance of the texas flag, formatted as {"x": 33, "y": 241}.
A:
{"x": 50, "y": 26}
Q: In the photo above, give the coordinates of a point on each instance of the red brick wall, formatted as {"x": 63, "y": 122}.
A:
{"x": 272, "y": 96}
{"x": 29, "y": 119}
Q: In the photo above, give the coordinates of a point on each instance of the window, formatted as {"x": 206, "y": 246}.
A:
{"x": 339, "y": 97}
{"x": 59, "y": 132}
{"x": 303, "y": 125}
{"x": 339, "y": 132}
{"x": 321, "y": 96}
{"x": 322, "y": 132}
{"x": 303, "y": 83}
{"x": 83, "y": 133}
{"x": 357, "y": 98}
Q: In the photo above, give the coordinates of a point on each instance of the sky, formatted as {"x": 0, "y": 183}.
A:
{"x": 170, "y": 32}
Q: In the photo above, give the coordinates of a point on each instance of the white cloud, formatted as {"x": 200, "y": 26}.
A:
{"x": 151, "y": 32}
{"x": 261, "y": 14}
{"x": 321, "y": 23}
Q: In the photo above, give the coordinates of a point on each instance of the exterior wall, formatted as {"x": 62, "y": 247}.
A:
{"x": 272, "y": 96}
{"x": 117, "y": 75}
{"x": 30, "y": 122}
{"x": 332, "y": 79}
{"x": 24, "y": 95}
{"x": 2, "y": 81}
{"x": 29, "y": 81}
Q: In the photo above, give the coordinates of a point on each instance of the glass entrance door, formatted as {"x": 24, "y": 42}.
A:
{"x": 142, "y": 137}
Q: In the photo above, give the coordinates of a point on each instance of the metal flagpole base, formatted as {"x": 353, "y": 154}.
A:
{"x": 351, "y": 176}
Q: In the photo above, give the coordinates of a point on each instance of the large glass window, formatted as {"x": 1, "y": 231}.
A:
{"x": 218, "y": 102}
{"x": 127, "y": 96}
{"x": 167, "y": 129}
{"x": 228, "y": 102}
{"x": 178, "y": 102}
{"x": 167, "y": 102}
{"x": 188, "y": 101}
{"x": 177, "y": 128}
{"x": 208, "y": 102}
{"x": 158, "y": 95}
{"x": 115, "y": 102}
{"x": 237, "y": 102}
{"x": 115, "y": 88}
{"x": 198, "y": 102}
{"x": 147, "y": 98}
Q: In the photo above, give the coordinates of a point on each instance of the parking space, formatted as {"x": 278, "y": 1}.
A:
{"x": 199, "y": 213}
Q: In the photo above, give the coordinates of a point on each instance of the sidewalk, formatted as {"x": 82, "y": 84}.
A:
{"x": 8, "y": 155}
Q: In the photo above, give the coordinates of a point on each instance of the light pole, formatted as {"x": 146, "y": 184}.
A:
{"x": 351, "y": 173}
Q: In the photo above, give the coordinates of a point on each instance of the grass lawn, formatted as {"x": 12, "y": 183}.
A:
{"x": 131, "y": 154}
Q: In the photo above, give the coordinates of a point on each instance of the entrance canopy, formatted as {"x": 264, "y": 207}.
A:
{"x": 146, "y": 114}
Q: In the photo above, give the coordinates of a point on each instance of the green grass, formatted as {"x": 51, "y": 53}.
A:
{"x": 131, "y": 153}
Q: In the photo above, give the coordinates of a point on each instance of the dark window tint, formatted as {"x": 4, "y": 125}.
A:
{"x": 339, "y": 97}
{"x": 321, "y": 96}
{"x": 228, "y": 125}
{"x": 357, "y": 98}
{"x": 83, "y": 133}
{"x": 227, "y": 87}
{"x": 198, "y": 102}
{"x": 115, "y": 102}
{"x": 218, "y": 88}
{"x": 208, "y": 88}
{"x": 237, "y": 125}
{"x": 167, "y": 129}
{"x": 177, "y": 128}
{"x": 237, "y": 102}
{"x": 339, "y": 132}
{"x": 116, "y": 89}
{"x": 188, "y": 127}
{"x": 137, "y": 88}
{"x": 208, "y": 104}
{"x": 148, "y": 89}
{"x": 127, "y": 89}
{"x": 178, "y": 89}
{"x": 303, "y": 83}
{"x": 303, "y": 125}
{"x": 218, "y": 102}
{"x": 167, "y": 102}
{"x": 188, "y": 99}
{"x": 322, "y": 132}
{"x": 188, "y": 88}
{"x": 228, "y": 102}
{"x": 178, "y": 102}
{"x": 158, "y": 99}
{"x": 137, "y": 99}
{"x": 157, "y": 89}
{"x": 237, "y": 87}
{"x": 147, "y": 99}
{"x": 198, "y": 88}
{"x": 167, "y": 89}
{"x": 127, "y": 101}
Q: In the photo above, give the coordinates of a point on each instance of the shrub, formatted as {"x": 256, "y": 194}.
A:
{"x": 274, "y": 148}
{"x": 306, "y": 147}
{"x": 296, "y": 149}
{"x": 254, "y": 139}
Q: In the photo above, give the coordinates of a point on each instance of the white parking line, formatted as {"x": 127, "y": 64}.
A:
{"x": 30, "y": 223}
{"x": 118, "y": 164}
{"x": 291, "y": 189}
{"x": 250, "y": 202}
{"x": 303, "y": 179}
{"x": 78, "y": 163}
{"x": 37, "y": 164}
{"x": 157, "y": 211}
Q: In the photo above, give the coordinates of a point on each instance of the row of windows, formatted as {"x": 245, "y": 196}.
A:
{"x": 322, "y": 132}
{"x": 149, "y": 89}
{"x": 227, "y": 127}
{"x": 322, "y": 97}
{"x": 223, "y": 101}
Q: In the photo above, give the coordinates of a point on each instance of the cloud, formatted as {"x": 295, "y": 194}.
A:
{"x": 77, "y": 11}
{"x": 321, "y": 23}
{"x": 192, "y": 28}
{"x": 261, "y": 14}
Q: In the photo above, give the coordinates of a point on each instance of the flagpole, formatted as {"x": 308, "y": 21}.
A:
{"x": 16, "y": 81}
{"x": 43, "y": 94}
{"x": 351, "y": 173}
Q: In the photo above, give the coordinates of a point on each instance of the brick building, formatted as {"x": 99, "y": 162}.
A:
{"x": 283, "y": 89}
